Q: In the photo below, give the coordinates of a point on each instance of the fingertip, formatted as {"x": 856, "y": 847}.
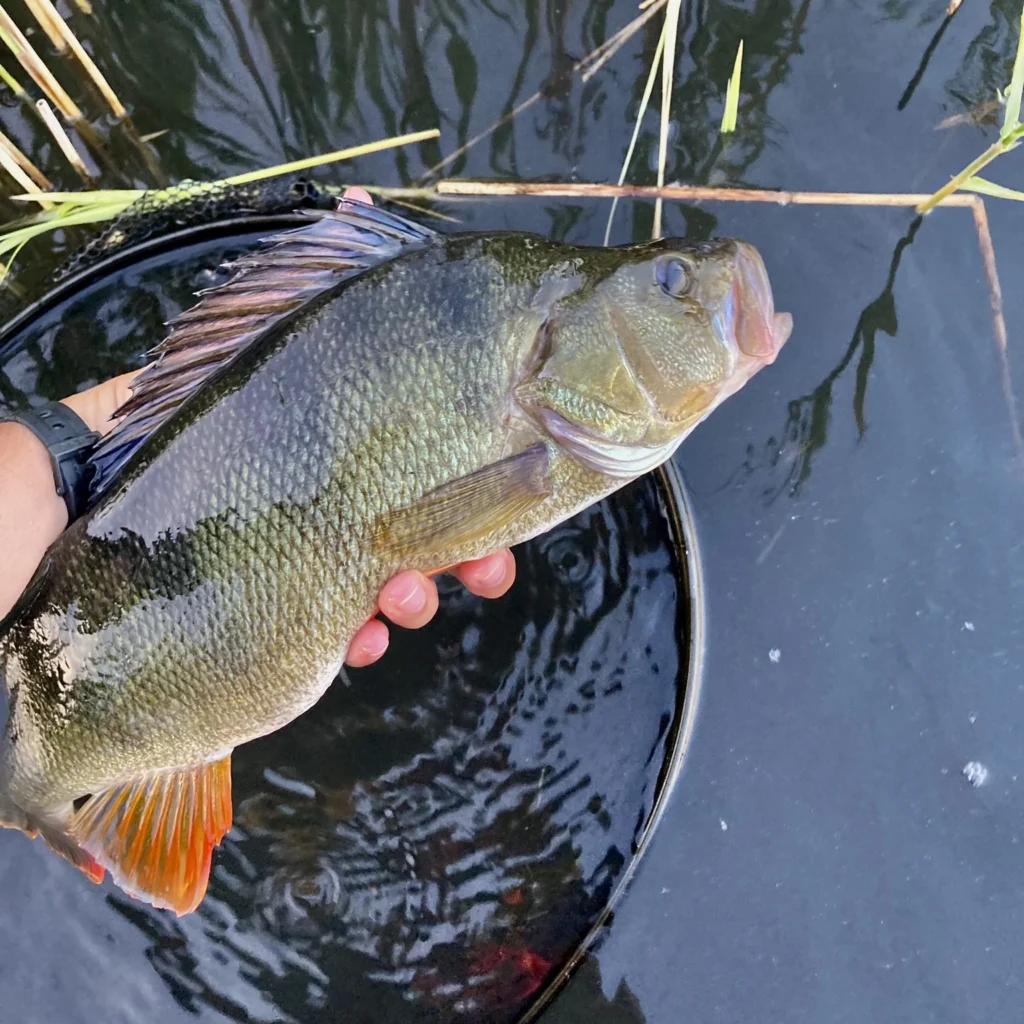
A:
{"x": 358, "y": 195}
{"x": 368, "y": 645}
{"x": 491, "y": 576}
{"x": 409, "y": 599}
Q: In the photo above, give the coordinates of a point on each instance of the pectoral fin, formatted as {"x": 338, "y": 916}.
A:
{"x": 156, "y": 835}
{"x": 468, "y": 509}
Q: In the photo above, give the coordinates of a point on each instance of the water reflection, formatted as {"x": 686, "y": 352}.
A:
{"x": 987, "y": 60}
{"x": 590, "y": 1005}
{"x": 789, "y": 456}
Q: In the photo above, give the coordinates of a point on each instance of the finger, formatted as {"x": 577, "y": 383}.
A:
{"x": 358, "y": 195}
{"x": 409, "y": 599}
{"x": 490, "y": 576}
{"x": 368, "y": 645}
{"x": 97, "y": 405}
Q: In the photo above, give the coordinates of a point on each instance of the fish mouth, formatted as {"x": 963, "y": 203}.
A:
{"x": 748, "y": 313}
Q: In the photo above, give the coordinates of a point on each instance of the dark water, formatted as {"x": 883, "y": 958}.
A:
{"x": 823, "y": 858}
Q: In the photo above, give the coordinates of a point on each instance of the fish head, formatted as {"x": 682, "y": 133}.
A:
{"x": 647, "y": 346}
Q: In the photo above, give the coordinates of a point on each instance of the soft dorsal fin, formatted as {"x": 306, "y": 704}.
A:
{"x": 292, "y": 270}
{"x": 156, "y": 836}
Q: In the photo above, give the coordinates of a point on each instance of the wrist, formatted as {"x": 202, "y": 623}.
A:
{"x": 26, "y": 483}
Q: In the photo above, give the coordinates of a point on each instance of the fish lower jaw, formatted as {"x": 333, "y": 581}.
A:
{"x": 612, "y": 458}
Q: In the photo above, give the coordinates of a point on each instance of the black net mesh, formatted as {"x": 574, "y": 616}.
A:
{"x": 191, "y": 204}
{"x": 159, "y": 213}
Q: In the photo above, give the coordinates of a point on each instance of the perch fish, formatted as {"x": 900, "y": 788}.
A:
{"x": 362, "y": 396}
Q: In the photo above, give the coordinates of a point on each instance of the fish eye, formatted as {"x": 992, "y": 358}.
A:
{"x": 673, "y": 276}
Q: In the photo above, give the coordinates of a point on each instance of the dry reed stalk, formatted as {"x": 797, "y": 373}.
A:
{"x": 67, "y": 147}
{"x": 689, "y": 193}
{"x": 10, "y": 165}
{"x": 644, "y": 101}
{"x": 24, "y": 163}
{"x": 38, "y": 71}
{"x": 995, "y": 298}
{"x": 698, "y": 193}
{"x": 46, "y": 23}
{"x": 49, "y": 17}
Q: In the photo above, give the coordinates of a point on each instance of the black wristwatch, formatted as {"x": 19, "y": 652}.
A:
{"x": 69, "y": 442}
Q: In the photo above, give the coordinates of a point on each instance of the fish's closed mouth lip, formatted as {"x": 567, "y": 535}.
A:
{"x": 753, "y": 325}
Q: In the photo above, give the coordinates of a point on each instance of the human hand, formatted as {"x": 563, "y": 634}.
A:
{"x": 33, "y": 516}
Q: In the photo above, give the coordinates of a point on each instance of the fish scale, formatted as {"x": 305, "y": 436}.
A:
{"x": 408, "y": 402}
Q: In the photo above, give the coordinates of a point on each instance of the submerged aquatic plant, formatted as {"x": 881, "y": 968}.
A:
{"x": 1010, "y": 136}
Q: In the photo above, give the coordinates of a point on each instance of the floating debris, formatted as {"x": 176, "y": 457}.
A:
{"x": 775, "y": 655}
{"x": 975, "y": 773}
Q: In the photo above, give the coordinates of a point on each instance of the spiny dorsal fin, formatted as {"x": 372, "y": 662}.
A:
{"x": 156, "y": 835}
{"x": 294, "y": 268}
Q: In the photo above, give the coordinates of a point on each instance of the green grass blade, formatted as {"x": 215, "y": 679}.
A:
{"x": 327, "y": 158}
{"x": 14, "y": 241}
{"x": 990, "y": 188}
{"x": 732, "y": 94}
{"x": 1011, "y": 119}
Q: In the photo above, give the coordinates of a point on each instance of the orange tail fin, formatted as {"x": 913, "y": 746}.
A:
{"x": 156, "y": 835}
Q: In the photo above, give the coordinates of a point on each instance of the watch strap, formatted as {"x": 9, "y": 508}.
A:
{"x": 68, "y": 440}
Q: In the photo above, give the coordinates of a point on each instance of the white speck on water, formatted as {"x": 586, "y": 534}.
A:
{"x": 410, "y": 860}
{"x": 722, "y": 824}
{"x": 665, "y": 890}
{"x": 289, "y": 785}
{"x": 774, "y": 655}
{"x": 969, "y": 626}
{"x": 975, "y": 773}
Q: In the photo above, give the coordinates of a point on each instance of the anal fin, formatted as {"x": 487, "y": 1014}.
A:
{"x": 156, "y": 835}
{"x": 64, "y": 846}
